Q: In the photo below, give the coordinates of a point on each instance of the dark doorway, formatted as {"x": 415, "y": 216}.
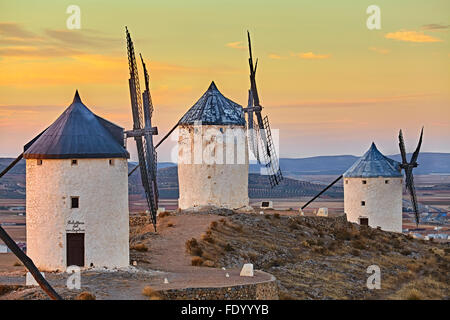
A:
{"x": 364, "y": 221}
{"x": 75, "y": 249}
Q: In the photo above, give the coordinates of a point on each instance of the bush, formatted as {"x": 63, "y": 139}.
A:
{"x": 276, "y": 215}
{"x": 196, "y": 261}
{"x": 193, "y": 247}
{"x": 170, "y": 224}
{"x": 228, "y": 247}
{"x": 139, "y": 247}
{"x": 85, "y": 296}
{"x": 151, "y": 293}
{"x": 208, "y": 238}
{"x": 17, "y": 264}
{"x": 208, "y": 263}
{"x": 413, "y": 294}
{"x": 213, "y": 225}
{"x": 163, "y": 214}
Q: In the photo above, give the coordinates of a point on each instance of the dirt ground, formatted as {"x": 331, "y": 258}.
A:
{"x": 165, "y": 258}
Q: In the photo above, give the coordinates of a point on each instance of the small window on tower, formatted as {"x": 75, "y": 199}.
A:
{"x": 346, "y": 181}
{"x": 74, "y": 202}
{"x": 111, "y": 162}
{"x": 74, "y": 162}
{"x": 364, "y": 182}
{"x": 39, "y": 162}
{"x": 386, "y": 181}
{"x": 363, "y": 203}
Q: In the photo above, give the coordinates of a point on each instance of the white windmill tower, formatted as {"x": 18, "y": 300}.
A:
{"x": 77, "y": 193}
{"x": 213, "y": 149}
{"x": 373, "y": 188}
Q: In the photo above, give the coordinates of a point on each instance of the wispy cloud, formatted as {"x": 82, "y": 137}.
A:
{"x": 435, "y": 27}
{"x": 275, "y": 56}
{"x": 311, "y": 56}
{"x": 379, "y": 50}
{"x": 236, "y": 45}
{"x": 411, "y": 36}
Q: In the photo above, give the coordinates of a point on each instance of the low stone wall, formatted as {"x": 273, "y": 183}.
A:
{"x": 267, "y": 290}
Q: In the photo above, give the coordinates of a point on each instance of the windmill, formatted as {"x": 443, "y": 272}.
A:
{"x": 259, "y": 134}
{"x": 142, "y": 110}
{"x": 405, "y": 165}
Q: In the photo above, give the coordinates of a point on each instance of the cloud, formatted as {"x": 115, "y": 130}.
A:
{"x": 379, "y": 50}
{"x": 411, "y": 36}
{"x": 275, "y": 56}
{"x": 435, "y": 27}
{"x": 311, "y": 56}
{"x": 236, "y": 45}
{"x": 85, "y": 38}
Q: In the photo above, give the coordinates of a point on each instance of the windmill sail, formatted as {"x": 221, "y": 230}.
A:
{"x": 263, "y": 134}
{"x": 142, "y": 121}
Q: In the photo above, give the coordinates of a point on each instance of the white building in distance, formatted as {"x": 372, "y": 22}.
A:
{"x": 77, "y": 193}
{"x": 373, "y": 191}
{"x": 213, "y": 154}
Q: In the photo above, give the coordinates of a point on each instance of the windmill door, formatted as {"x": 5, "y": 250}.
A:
{"x": 75, "y": 249}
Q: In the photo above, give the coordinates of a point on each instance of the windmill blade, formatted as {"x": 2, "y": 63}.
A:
{"x": 150, "y": 153}
{"x": 321, "y": 192}
{"x": 264, "y": 134}
{"x": 412, "y": 192}
{"x": 251, "y": 130}
{"x": 144, "y": 156}
{"x": 401, "y": 144}
{"x": 416, "y": 152}
{"x": 11, "y": 165}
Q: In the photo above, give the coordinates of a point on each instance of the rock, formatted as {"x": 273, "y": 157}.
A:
{"x": 247, "y": 270}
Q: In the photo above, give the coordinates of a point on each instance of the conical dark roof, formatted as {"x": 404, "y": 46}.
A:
{"x": 214, "y": 109}
{"x": 374, "y": 164}
{"x": 78, "y": 133}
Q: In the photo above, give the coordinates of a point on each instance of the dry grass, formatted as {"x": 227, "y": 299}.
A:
{"x": 329, "y": 255}
{"x": 151, "y": 293}
{"x": 6, "y": 288}
{"x": 85, "y": 295}
{"x": 139, "y": 247}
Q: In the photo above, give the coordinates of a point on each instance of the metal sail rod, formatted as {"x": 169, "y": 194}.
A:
{"x": 11, "y": 165}
{"x": 28, "y": 263}
{"x": 321, "y": 192}
{"x": 157, "y": 145}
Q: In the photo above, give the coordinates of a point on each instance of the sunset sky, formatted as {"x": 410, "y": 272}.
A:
{"x": 327, "y": 82}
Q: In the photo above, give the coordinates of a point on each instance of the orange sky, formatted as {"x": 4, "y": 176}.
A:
{"x": 329, "y": 84}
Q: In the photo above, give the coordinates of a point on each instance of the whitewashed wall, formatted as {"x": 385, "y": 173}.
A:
{"x": 205, "y": 176}
{"x": 383, "y": 202}
{"x": 103, "y": 208}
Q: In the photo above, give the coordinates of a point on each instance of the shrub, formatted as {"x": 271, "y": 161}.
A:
{"x": 163, "y": 214}
{"x": 197, "y": 261}
{"x": 208, "y": 263}
{"x": 151, "y": 293}
{"x": 170, "y": 224}
{"x": 355, "y": 252}
{"x": 358, "y": 244}
{"x": 413, "y": 294}
{"x": 193, "y": 247}
{"x": 276, "y": 215}
{"x": 6, "y": 288}
{"x": 139, "y": 247}
{"x": 17, "y": 264}
{"x": 208, "y": 238}
{"x": 213, "y": 225}
{"x": 85, "y": 296}
{"x": 228, "y": 247}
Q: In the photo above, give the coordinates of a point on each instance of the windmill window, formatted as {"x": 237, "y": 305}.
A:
{"x": 39, "y": 162}
{"x": 363, "y": 203}
{"x": 364, "y": 182}
{"x": 74, "y": 202}
{"x": 74, "y": 162}
{"x": 111, "y": 162}
{"x": 346, "y": 181}
{"x": 386, "y": 181}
